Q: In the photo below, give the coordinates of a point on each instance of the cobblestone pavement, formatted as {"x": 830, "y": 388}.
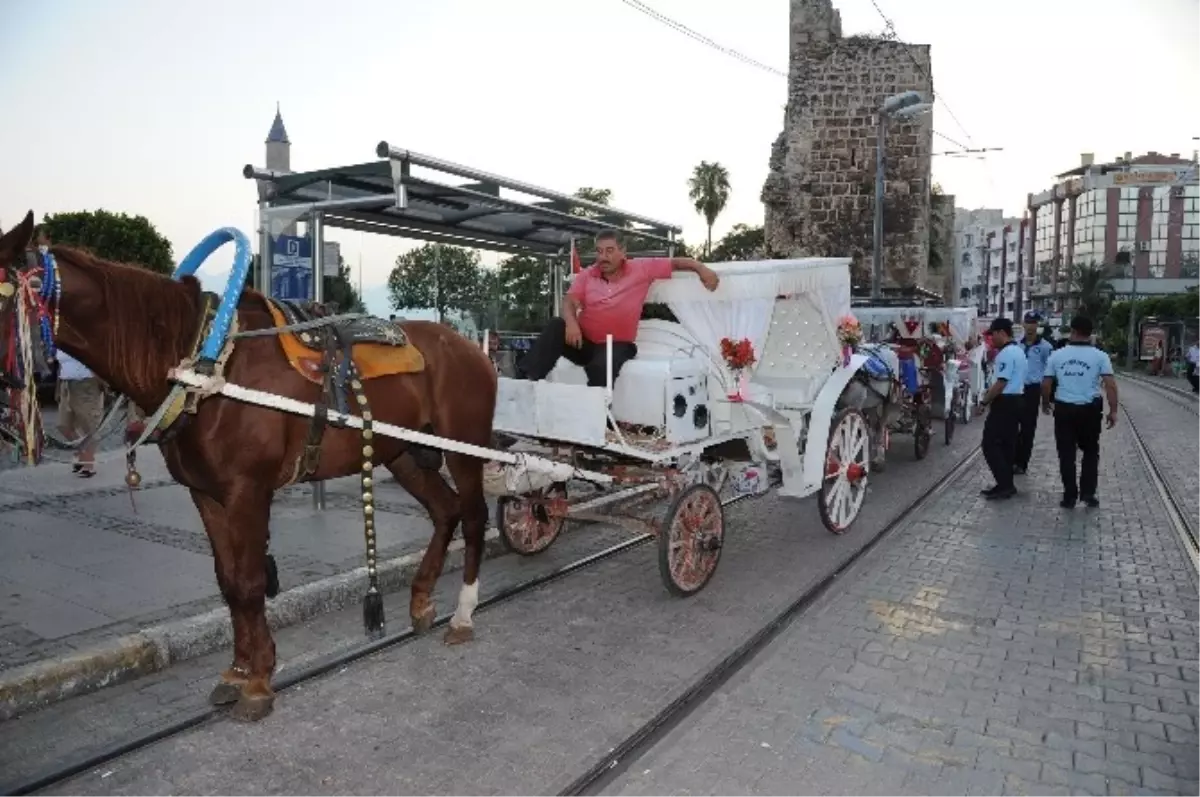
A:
{"x": 1170, "y": 429}
{"x": 554, "y": 679}
{"x": 83, "y": 563}
{"x": 1013, "y": 648}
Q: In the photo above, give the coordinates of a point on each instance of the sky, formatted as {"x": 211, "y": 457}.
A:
{"x": 153, "y": 108}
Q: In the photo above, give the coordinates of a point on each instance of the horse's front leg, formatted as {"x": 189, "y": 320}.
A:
{"x": 237, "y": 530}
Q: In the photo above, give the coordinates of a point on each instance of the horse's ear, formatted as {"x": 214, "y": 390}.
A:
{"x": 14, "y": 242}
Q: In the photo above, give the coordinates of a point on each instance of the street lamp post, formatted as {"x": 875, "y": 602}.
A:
{"x": 899, "y": 106}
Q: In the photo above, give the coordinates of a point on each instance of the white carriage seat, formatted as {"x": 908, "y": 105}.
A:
{"x": 799, "y": 355}
{"x": 665, "y": 351}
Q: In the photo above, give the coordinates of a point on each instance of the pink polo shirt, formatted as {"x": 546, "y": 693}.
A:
{"x": 614, "y": 307}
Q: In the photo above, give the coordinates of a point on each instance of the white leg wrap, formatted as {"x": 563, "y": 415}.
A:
{"x": 468, "y": 599}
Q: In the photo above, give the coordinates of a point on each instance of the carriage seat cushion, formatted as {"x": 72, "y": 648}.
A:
{"x": 380, "y": 347}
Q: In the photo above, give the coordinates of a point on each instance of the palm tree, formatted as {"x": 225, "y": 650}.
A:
{"x": 708, "y": 188}
{"x": 1091, "y": 289}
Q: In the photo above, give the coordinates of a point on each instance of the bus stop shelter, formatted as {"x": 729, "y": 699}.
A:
{"x": 409, "y": 195}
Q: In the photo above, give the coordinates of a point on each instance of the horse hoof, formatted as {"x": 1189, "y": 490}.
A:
{"x": 225, "y": 693}
{"x": 424, "y": 622}
{"x": 252, "y": 708}
{"x": 457, "y": 636}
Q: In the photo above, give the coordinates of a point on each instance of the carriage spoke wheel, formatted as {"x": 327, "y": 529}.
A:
{"x": 690, "y": 540}
{"x": 526, "y": 524}
{"x": 922, "y": 429}
{"x": 847, "y": 467}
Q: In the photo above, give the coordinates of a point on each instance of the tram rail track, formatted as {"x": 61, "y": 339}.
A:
{"x": 1184, "y": 398}
{"x": 604, "y": 769}
{"x": 1189, "y": 535}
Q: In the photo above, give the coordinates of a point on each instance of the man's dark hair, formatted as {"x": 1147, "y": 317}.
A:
{"x": 1002, "y": 325}
{"x": 611, "y": 235}
{"x": 1081, "y": 325}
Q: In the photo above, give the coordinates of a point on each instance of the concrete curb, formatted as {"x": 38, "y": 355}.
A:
{"x": 33, "y": 686}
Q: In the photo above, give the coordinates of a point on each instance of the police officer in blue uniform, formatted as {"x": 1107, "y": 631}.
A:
{"x": 1074, "y": 375}
{"x": 1037, "y": 350}
{"x": 1004, "y": 399}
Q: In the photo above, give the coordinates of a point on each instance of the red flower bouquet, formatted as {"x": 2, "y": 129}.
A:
{"x": 738, "y": 356}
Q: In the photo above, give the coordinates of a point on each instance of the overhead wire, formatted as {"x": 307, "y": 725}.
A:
{"x": 696, "y": 36}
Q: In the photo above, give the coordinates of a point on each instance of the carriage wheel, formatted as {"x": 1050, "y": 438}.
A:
{"x": 951, "y": 421}
{"x": 526, "y": 526}
{"x": 922, "y": 430}
{"x": 690, "y": 540}
{"x": 965, "y": 405}
{"x": 847, "y": 466}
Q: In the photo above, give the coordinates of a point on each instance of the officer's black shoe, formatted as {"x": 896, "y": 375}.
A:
{"x": 1067, "y": 502}
{"x": 989, "y": 490}
{"x": 1001, "y": 493}
{"x": 1019, "y": 470}
{"x": 1091, "y": 501}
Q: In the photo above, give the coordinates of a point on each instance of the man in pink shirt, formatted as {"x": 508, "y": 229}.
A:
{"x": 605, "y": 299}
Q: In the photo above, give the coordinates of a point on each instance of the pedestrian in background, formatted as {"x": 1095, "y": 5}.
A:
{"x": 1036, "y": 350}
{"x": 1071, "y": 389}
{"x": 1004, "y": 400}
{"x": 80, "y": 410}
{"x": 1193, "y": 365}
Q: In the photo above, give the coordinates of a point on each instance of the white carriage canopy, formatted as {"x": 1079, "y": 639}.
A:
{"x": 877, "y": 321}
{"x": 744, "y": 303}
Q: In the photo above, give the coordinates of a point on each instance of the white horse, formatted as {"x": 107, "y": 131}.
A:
{"x": 873, "y": 394}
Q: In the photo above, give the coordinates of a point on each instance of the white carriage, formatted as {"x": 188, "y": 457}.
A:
{"x": 955, "y": 329}
{"x": 669, "y": 426}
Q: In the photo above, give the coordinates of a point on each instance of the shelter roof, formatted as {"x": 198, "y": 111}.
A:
{"x": 409, "y": 195}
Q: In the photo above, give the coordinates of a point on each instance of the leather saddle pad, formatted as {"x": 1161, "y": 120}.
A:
{"x": 380, "y": 347}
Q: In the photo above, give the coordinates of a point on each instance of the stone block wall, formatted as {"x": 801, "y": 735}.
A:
{"x": 943, "y": 270}
{"x": 820, "y": 194}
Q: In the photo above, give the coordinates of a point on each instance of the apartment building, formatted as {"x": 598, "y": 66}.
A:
{"x": 988, "y": 256}
{"x": 1146, "y": 209}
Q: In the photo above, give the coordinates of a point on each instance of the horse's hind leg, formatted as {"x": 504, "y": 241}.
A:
{"x": 237, "y": 531}
{"x": 468, "y": 478}
{"x": 432, "y": 492}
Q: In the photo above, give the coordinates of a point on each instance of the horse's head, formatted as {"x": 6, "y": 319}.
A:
{"x": 22, "y": 281}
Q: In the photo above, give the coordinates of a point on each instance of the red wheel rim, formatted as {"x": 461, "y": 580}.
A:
{"x": 697, "y": 525}
{"x": 525, "y": 531}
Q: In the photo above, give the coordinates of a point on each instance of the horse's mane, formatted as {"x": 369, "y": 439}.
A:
{"x": 151, "y": 318}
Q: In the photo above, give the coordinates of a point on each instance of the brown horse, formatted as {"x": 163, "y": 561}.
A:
{"x": 131, "y": 327}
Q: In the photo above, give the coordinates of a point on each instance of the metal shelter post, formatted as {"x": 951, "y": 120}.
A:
{"x": 263, "y": 277}
{"x": 316, "y": 234}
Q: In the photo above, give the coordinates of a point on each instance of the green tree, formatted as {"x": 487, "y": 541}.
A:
{"x": 518, "y": 295}
{"x": 708, "y": 188}
{"x": 438, "y": 276}
{"x": 340, "y": 291}
{"x": 112, "y": 236}
{"x": 1091, "y": 289}
{"x": 742, "y": 242}
{"x": 601, "y": 196}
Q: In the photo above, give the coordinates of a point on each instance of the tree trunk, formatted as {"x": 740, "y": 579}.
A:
{"x": 708, "y": 243}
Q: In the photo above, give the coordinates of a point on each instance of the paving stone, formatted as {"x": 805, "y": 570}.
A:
{"x": 881, "y": 687}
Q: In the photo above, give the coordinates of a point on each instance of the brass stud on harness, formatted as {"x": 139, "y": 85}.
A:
{"x": 373, "y": 617}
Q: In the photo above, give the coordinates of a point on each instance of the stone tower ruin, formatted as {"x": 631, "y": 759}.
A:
{"x": 819, "y": 196}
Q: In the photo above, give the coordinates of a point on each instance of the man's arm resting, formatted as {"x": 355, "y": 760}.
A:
{"x": 1047, "y": 392}
{"x": 687, "y": 264}
{"x": 570, "y": 310}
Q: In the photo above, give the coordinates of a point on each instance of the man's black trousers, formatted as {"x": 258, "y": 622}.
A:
{"x": 1077, "y": 426}
{"x": 1028, "y": 423}
{"x": 1000, "y": 437}
{"x": 552, "y": 344}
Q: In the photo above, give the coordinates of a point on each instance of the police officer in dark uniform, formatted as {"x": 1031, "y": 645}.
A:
{"x": 1004, "y": 399}
{"x": 1037, "y": 350}
{"x": 1079, "y": 369}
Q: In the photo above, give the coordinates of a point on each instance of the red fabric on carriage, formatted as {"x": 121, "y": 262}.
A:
{"x": 373, "y": 359}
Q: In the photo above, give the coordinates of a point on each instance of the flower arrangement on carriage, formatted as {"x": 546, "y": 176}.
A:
{"x": 849, "y": 334}
{"x": 738, "y": 356}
